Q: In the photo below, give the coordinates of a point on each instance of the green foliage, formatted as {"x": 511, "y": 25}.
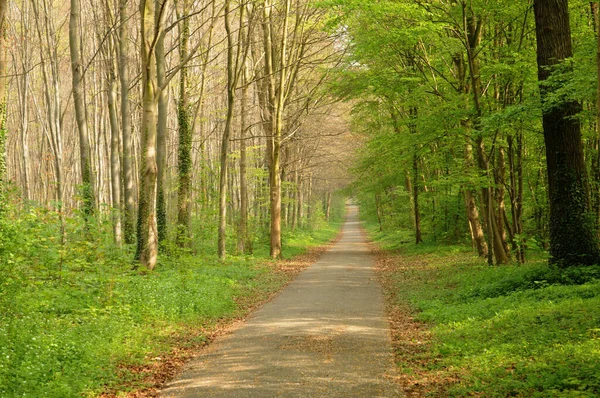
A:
{"x": 510, "y": 331}
{"x": 73, "y": 316}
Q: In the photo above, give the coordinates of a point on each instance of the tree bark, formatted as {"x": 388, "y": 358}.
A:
{"x": 573, "y": 239}
{"x": 147, "y": 242}
{"x": 231, "y": 87}
{"x": 243, "y": 241}
{"x": 128, "y": 172}
{"x": 88, "y": 194}
{"x": 115, "y": 170}
{"x": 184, "y": 208}
{"x": 161, "y": 136}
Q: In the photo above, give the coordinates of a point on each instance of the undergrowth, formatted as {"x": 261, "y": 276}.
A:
{"x": 75, "y": 317}
{"x": 530, "y": 330}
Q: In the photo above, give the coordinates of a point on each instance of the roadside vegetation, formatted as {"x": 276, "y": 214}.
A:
{"x": 474, "y": 330}
{"x": 78, "y": 319}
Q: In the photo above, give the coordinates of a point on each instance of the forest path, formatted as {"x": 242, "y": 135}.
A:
{"x": 325, "y": 335}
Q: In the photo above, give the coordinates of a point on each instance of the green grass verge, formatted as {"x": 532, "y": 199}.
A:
{"x": 71, "y": 329}
{"x": 530, "y": 331}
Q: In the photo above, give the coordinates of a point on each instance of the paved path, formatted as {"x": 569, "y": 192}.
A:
{"x": 325, "y": 335}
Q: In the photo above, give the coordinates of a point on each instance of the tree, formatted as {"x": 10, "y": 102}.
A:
{"x": 184, "y": 207}
{"x": 127, "y": 169}
{"x": 147, "y": 232}
{"x": 89, "y": 198}
{"x": 572, "y": 229}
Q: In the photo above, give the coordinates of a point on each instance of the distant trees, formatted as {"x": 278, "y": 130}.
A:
{"x": 170, "y": 134}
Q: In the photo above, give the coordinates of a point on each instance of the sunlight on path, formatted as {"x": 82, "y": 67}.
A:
{"x": 325, "y": 335}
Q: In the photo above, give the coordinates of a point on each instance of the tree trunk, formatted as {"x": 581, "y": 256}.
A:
{"x": 572, "y": 231}
{"x": 222, "y": 233}
{"x": 595, "y": 7}
{"x": 477, "y": 235}
{"x": 147, "y": 245}
{"x": 128, "y": 172}
{"x": 243, "y": 244}
{"x": 516, "y": 194}
{"x": 184, "y": 199}
{"x": 115, "y": 170}
{"x": 161, "y": 137}
{"x": 328, "y": 207}
{"x": 23, "y": 98}
{"x": 89, "y": 201}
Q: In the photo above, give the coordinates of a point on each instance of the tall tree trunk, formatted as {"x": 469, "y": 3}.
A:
{"x": 477, "y": 234}
{"x": 89, "y": 200}
{"x": 161, "y": 136}
{"x": 231, "y": 87}
{"x": 128, "y": 172}
{"x": 328, "y": 206}
{"x": 415, "y": 192}
{"x": 595, "y": 7}
{"x": 51, "y": 80}
{"x": 572, "y": 232}
{"x": 184, "y": 208}
{"x": 473, "y": 34}
{"x": 278, "y": 99}
{"x": 243, "y": 241}
{"x": 516, "y": 194}
{"x": 147, "y": 242}
{"x": 23, "y": 86}
{"x": 115, "y": 170}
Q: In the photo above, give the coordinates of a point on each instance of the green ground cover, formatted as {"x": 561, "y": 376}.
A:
{"x": 529, "y": 330}
{"x": 75, "y": 318}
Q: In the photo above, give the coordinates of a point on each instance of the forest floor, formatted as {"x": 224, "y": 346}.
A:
{"x": 462, "y": 328}
{"x": 326, "y": 334}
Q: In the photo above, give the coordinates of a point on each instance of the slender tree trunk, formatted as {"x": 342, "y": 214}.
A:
{"x": 23, "y": 86}
{"x": 147, "y": 247}
{"x": 516, "y": 195}
{"x": 51, "y": 80}
{"x": 415, "y": 192}
{"x": 89, "y": 199}
{"x": 300, "y": 199}
{"x": 184, "y": 208}
{"x": 328, "y": 206}
{"x": 222, "y": 233}
{"x": 573, "y": 237}
{"x": 477, "y": 234}
{"x": 115, "y": 170}
{"x": 275, "y": 158}
{"x": 296, "y": 196}
{"x": 128, "y": 172}
{"x": 473, "y": 34}
{"x": 243, "y": 245}
{"x": 161, "y": 137}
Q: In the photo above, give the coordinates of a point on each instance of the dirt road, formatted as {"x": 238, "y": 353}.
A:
{"x": 325, "y": 335}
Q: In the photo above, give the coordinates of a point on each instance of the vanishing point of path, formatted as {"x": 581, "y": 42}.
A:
{"x": 325, "y": 335}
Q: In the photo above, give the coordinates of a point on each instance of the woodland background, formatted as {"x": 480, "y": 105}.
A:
{"x": 149, "y": 143}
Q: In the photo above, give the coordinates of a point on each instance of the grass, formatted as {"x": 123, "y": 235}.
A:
{"x": 78, "y": 321}
{"x": 530, "y": 331}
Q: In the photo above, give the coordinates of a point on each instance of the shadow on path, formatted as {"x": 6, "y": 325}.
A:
{"x": 325, "y": 335}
